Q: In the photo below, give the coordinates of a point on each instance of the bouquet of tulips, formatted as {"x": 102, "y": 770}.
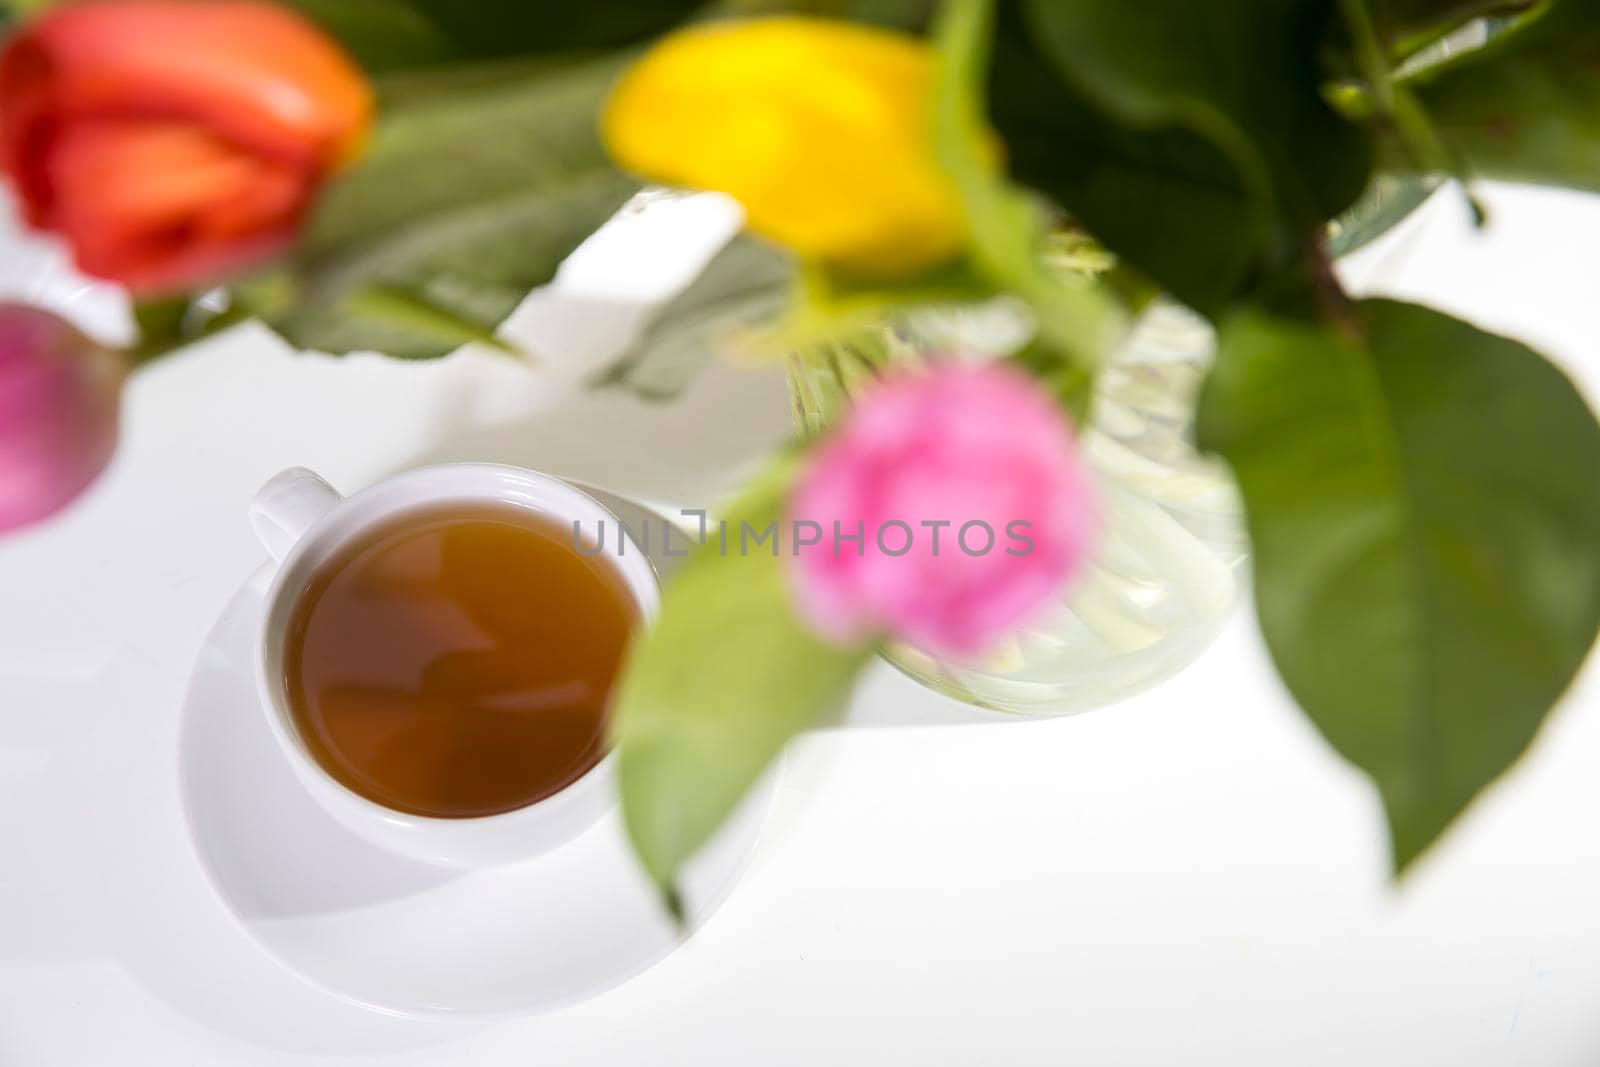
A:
{"x": 395, "y": 175}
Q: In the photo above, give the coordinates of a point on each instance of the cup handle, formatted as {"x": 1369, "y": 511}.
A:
{"x": 289, "y": 505}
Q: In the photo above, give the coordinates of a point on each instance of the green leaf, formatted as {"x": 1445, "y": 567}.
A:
{"x": 1526, "y": 106}
{"x": 169, "y": 323}
{"x": 746, "y": 284}
{"x": 515, "y": 27}
{"x": 163, "y": 324}
{"x": 1135, "y": 190}
{"x": 1408, "y": 26}
{"x": 913, "y": 15}
{"x": 716, "y": 689}
{"x": 1426, "y": 527}
{"x": 1240, "y": 73}
{"x": 1388, "y": 201}
{"x": 904, "y": 14}
{"x": 462, "y": 206}
{"x": 1009, "y": 234}
{"x": 391, "y": 35}
{"x": 1191, "y": 138}
{"x": 391, "y": 320}
{"x": 380, "y": 35}
{"x": 394, "y": 35}
{"x": 488, "y": 169}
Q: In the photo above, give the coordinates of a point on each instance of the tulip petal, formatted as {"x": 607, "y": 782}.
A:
{"x": 157, "y": 204}
{"x": 59, "y": 401}
{"x": 174, "y": 142}
{"x": 255, "y": 73}
{"x": 821, "y": 129}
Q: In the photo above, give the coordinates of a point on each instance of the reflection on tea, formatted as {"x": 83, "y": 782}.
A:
{"x": 458, "y": 661}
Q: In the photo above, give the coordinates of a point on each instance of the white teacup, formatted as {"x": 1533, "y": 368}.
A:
{"x": 302, "y": 521}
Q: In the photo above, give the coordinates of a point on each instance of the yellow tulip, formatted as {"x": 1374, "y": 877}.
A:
{"x": 821, "y": 129}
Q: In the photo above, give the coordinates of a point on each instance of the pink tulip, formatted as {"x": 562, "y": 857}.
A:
{"x": 972, "y": 505}
{"x": 59, "y": 398}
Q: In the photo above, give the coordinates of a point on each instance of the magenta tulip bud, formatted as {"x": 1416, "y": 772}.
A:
{"x": 59, "y": 400}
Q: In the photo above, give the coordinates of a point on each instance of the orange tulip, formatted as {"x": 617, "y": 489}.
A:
{"x": 174, "y": 142}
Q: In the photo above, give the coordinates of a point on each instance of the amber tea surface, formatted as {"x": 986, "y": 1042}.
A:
{"x": 458, "y": 661}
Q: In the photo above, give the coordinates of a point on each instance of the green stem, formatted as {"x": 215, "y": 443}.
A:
{"x": 1395, "y": 103}
{"x": 1370, "y": 56}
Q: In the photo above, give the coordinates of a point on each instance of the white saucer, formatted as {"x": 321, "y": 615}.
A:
{"x": 397, "y": 936}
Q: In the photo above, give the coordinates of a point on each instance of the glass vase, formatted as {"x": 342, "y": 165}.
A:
{"x": 1168, "y": 569}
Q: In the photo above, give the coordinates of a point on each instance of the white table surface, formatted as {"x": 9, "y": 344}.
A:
{"x": 1190, "y": 877}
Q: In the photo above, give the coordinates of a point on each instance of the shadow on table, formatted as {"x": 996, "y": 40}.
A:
{"x": 122, "y": 882}
{"x": 125, "y": 881}
{"x": 270, "y": 847}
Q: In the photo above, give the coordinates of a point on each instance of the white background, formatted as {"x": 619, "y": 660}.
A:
{"x": 1190, "y": 877}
